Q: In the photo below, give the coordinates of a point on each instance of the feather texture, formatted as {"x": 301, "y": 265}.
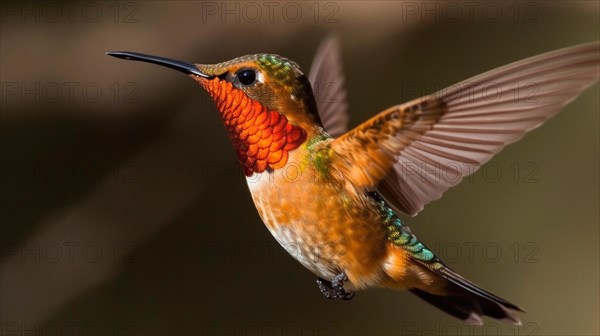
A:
{"x": 414, "y": 152}
{"x": 327, "y": 80}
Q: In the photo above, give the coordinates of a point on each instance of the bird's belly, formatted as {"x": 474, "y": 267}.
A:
{"x": 325, "y": 229}
{"x": 316, "y": 256}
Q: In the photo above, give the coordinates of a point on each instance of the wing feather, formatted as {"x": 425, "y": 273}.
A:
{"x": 414, "y": 152}
{"x": 327, "y": 80}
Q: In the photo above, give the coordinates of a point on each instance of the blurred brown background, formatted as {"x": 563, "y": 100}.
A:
{"x": 123, "y": 210}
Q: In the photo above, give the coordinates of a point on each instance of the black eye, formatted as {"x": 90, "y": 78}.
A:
{"x": 247, "y": 76}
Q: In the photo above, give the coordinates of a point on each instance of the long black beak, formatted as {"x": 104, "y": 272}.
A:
{"x": 186, "y": 68}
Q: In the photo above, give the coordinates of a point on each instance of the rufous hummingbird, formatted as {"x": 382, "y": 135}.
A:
{"x": 331, "y": 197}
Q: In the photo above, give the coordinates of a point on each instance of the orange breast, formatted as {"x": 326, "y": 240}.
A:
{"x": 262, "y": 138}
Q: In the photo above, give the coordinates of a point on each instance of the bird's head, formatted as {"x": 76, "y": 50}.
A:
{"x": 265, "y": 101}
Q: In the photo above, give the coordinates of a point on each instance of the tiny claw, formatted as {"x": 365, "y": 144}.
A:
{"x": 338, "y": 285}
{"x": 325, "y": 288}
{"x": 335, "y": 288}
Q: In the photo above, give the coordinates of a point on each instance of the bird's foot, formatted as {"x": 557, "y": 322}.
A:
{"x": 335, "y": 288}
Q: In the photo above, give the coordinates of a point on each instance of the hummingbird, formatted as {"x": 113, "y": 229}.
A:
{"x": 332, "y": 197}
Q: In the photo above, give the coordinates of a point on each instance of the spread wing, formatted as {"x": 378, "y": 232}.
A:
{"x": 327, "y": 80}
{"x": 414, "y": 152}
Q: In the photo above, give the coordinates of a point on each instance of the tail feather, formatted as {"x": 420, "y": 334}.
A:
{"x": 466, "y": 311}
{"x": 467, "y": 301}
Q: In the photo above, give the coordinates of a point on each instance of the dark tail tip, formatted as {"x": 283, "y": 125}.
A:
{"x": 469, "y": 302}
{"x": 468, "y": 307}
